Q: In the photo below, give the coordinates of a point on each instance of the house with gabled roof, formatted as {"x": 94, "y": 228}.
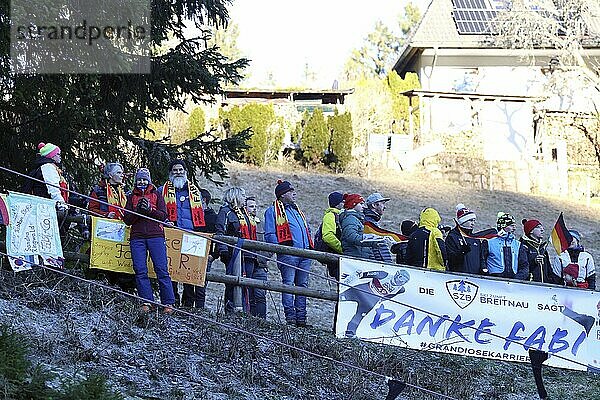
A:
{"x": 496, "y": 99}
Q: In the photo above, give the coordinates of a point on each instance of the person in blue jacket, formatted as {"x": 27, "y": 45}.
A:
{"x": 285, "y": 224}
{"x": 185, "y": 210}
{"x": 507, "y": 257}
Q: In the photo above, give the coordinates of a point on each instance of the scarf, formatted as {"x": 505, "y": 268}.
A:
{"x": 247, "y": 231}
{"x": 282, "y": 226}
{"x": 481, "y": 235}
{"x": 168, "y": 193}
{"x": 115, "y": 197}
{"x": 64, "y": 185}
{"x": 149, "y": 193}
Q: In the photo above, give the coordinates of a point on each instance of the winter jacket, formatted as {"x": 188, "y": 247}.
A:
{"x": 426, "y": 247}
{"x": 184, "y": 210}
{"x": 210, "y": 219}
{"x": 45, "y": 170}
{"x": 381, "y": 250}
{"x": 330, "y": 230}
{"x": 371, "y": 216}
{"x": 465, "y": 253}
{"x": 583, "y": 263}
{"x": 352, "y": 226}
{"x": 298, "y": 227}
{"x": 515, "y": 267}
{"x": 539, "y": 272}
{"x": 142, "y": 228}
{"x": 228, "y": 224}
{"x": 99, "y": 193}
{"x": 400, "y": 249}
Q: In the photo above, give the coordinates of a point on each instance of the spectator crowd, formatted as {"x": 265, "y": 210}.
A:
{"x": 350, "y": 227}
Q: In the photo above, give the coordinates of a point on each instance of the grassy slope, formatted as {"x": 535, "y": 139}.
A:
{"x": 78, "y": 330}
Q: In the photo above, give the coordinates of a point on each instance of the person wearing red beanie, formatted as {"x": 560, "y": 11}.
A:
{"x": 351, "y": 223}
{"x": 351, "y": 200}
{"x": 534, "y": 245}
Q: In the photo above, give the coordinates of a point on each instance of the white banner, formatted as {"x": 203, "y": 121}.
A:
{"x": 32, "y": 231}
{"x": 451, "y": 313}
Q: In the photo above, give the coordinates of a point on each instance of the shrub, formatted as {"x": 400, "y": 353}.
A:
{"x": 315, "y": 139}
{"x": 196, "y": 122}
{"x": 20, "y": 380}
{"x": 266, "y": 140}
{"x": 340, "y": 147}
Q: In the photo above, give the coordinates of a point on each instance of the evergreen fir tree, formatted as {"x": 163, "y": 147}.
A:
{"x": 98, "y": 118}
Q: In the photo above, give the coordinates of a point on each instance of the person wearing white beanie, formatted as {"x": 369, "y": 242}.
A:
{"x": 466, "y": 253}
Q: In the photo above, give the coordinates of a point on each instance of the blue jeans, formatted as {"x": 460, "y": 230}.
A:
{"x": 294, "y": 306}
{"x": 158, "y": 253}
{"x": 255, "y": 299}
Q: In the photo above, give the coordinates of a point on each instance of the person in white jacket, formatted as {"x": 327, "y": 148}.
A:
{"x": 577, "y": 265}
{"x": 46, "y": 168}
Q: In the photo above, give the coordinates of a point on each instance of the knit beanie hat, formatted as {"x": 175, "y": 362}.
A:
{"x": 335, "y": 198}
{"x": 351, "y": 200}
{"x": 177, "y": 161}
{"x": 282, "y": 188}
{"x": 407, "y": 227}
{"x": 143, "y": 173}
{"x": 48, "y": 150}
{"x": 504, "y": 220}
{"x": 529, "y": 225}
{"x": 463, "y": 214}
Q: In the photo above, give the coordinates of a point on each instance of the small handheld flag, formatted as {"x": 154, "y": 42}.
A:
{"x": 561, "y": 238}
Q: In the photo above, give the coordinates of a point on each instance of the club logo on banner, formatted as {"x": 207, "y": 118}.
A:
{"x": 187, "y": 254}
{"x": 462, "y": 292}
{"x": 471, "y": 316}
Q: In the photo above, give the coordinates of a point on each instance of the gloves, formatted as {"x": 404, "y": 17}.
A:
{"x": 143, "y": 206}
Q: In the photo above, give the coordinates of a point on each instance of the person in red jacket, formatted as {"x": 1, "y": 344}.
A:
{"x": 109, "y": 190}
{"x": 148, "y": 236}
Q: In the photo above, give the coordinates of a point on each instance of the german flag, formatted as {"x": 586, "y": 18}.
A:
{"x": 561, "y": 238}
{"x": 371, "y": 228}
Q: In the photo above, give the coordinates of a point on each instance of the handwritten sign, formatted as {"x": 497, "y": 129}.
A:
{"x": 110, "y": 251}
{"x": 110, "y": 246}
{"x": 193, "y": 245}
{"x": 186, "y": 268}
{"x": 33, "y": 230}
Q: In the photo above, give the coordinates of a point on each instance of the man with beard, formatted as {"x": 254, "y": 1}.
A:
{"x": 184, "y": 210}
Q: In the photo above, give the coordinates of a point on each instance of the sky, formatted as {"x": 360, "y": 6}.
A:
{"x": 281, "y": 36}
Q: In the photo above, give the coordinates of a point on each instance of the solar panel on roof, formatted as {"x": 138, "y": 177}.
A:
{"x": 474, "y": 17}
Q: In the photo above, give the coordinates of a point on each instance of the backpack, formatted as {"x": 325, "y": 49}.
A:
{"x": 318, "y": 242}
{"x": 27, "y": 186}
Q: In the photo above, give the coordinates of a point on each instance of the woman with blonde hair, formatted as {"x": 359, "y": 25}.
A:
{"x": 234, "y": 220}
